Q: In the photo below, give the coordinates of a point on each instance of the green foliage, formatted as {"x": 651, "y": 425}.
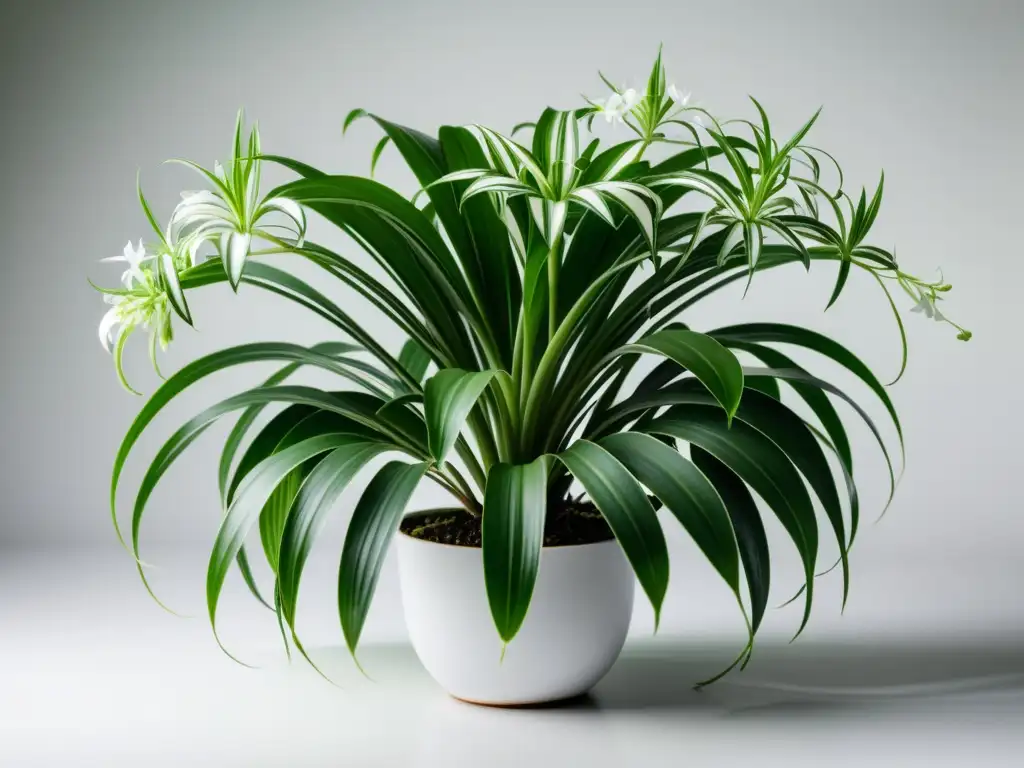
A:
{"x": 529, "y": 287}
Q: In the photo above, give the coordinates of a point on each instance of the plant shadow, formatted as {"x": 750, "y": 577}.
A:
{"x": 815, "y": 679}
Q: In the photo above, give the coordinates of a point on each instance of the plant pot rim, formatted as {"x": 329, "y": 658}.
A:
{"x": 436, "y": 510}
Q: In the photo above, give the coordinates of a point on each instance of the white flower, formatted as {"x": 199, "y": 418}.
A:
{"x": 926, "y": 306}
{"x": 111, "y": 320}
{"x": 682, "y": 101}
{"x": 134, "y": 257}
{"x": 618, "y": 105}
{"x": 145, "y": 306}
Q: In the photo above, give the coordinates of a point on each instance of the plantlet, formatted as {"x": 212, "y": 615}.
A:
{"x": 529, "y": 279}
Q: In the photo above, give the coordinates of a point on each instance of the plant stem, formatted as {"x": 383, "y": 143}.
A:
{"x": 469, "y": 459}
{"x": 554, "y": 264}
{"x": 468, "y": 497}
{"x": 547, "y": 369}
{"x": 447, "y": 484}
{"x": 643, "y": 148}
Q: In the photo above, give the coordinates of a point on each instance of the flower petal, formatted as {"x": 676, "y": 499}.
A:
{"x": 107, "y": 325}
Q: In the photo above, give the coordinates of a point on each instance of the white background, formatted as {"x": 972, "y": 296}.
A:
{"x": 93, "y": 92}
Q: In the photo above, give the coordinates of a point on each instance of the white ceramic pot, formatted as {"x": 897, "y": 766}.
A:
{"x": 573, "y": 632}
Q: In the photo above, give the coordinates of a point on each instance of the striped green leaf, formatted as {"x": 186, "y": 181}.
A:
{"x": 686, "y": 493}
{"x": 714, "y": 365}
{"x": 200, "y": 369}
{"x": 245, "y": 510}
{"x": 448, "y": 398}
{"x": 639, "y": 203}
{"x": 415, "y": 359}
{"x": 313, "y": 503}
{"x": 515, "y": 505}
{"x": 802, "y": 337}
{"x": 763, "y": 465}
{"x": 234, "y": 440}
{"x": 747, "y": 525}
{"x": 373, "y": 525}
{"x": 175, "y": 294}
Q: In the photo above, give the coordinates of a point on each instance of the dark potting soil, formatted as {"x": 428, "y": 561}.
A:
{"x": 573, "y": 524}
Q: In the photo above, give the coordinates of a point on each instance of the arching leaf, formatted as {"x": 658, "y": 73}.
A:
{"x": 715, "y": 366}
{"x": 515, "y": 505}
{"x": 447, "y": 400}
{"x": 760, "y": 463}
{"x": 373, "y": 525}
{"x": 630, "y": 515}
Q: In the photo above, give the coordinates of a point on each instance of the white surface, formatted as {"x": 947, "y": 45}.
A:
{"x": 578, "y": 619}
{"x": 924, "y": 669}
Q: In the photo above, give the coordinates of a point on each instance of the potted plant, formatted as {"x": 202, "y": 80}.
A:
{"x": 530, "y": 278}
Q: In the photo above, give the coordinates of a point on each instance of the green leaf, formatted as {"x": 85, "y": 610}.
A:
{"x": 791, "y": 239}
{"x": 415, "y": 359}
{"x": 656, "y": 81}
{"x": 193, "y": 372}
{"x": 686, "y": 493}
{"x": 377, "y": 151}
{"x": 275, "y": 512}
{"x": 609, "y": 163}
{"x": 768, "y": 386}
{"x": 264, "y": 443}
{"x": 448, "y": 398}
{"x": 783, "y": 153}
{"x": 403, "y": 241}
{"x": 246, "y": 508}
{"x": 899, "y": 327}
{"x": 872, "y": 211}
{"x": 747, "y": 525}
{"x": 482, "y": 242}
{"x": 147, "y": 210}
{"x": 841, "y": 276}
{"x": 802, "y": 337}
{"x": 280, "y": 282}
{"x": 629, "y": 513}
{"x": 765, "y": 143}
{"x": 374, "y": 522}
{"x": 789, "y": 432}
{"x": 639, "y": 203}
{"x": 317, "y": 496}
{"x": 714, "y": 365}
{"x": 234, "y": 442}
{"x": 515, "y": 505}
{"x": 351, "y": 117}
{"x": 800, "y": 375}
{"x": 175, "y": 295}
{"x": 352, "y": 419}
{"x": 814, "y": 396}
{"x": 242, "y": 560}
{"x": 249, "y": 416}
{"x": 760, "y": 463}
{"x": 556, "y": 148}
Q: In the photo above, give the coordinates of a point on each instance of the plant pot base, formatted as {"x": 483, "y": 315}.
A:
{"x": 542, "y": 704}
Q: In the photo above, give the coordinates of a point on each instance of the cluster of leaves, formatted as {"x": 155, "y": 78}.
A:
{"x": 524, "y": 289}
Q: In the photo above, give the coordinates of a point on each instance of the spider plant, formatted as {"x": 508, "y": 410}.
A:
{"x": 529, "y": 279}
